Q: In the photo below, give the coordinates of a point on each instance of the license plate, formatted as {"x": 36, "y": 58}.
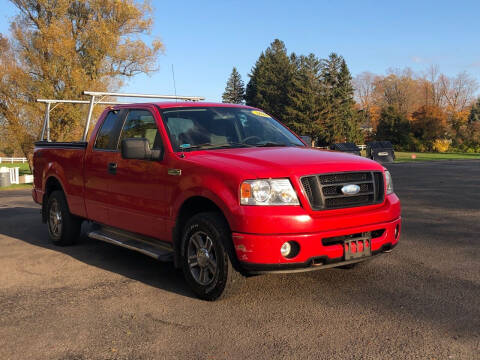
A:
{"x": 357, "y": 248}
{"x": 382, "y": 153}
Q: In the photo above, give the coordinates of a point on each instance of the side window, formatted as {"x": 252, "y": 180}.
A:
{"x": 141, "y": 124}
{"x": 108, "y": 134}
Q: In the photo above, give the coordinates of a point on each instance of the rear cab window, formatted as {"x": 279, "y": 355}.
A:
{"x": 107, "y": 136}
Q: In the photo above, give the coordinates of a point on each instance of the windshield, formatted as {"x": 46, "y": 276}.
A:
{"x": 211, "y": 128}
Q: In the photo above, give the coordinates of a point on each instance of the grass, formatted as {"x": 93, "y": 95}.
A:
{"x": 24, "y": 169}
{"x": 16, "y": 187}
{"x": 407, "y": 156}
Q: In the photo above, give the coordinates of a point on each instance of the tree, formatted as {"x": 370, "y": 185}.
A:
{"x": 401, "y": 90}
{"x": 393, "y": 126}
{"x": 458, "y": 91}
{"x": 428, "y": 124}
{"x": 348, "y": 115}
{"x": 330, "y": 69}
{"x": 59, "y": 48}
{"x": 235, "y": 89}
{"x": 303, "y": 113}
{"x": 432, "y": 87}
{"x": 474, "y": 116}
{"x": 339, "y": 117}
{"x": 271, "y": 80}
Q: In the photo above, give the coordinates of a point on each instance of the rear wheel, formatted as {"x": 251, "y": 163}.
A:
{"x": 205, "y": 259}
{"x": 63, "y": 227}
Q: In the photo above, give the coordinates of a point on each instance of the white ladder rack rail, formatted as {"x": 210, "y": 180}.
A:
{"x": 49, "y": 102}
{"x": 95, "y": 94}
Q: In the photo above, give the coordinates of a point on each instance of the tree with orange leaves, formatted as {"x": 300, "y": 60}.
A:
{"x": 59, "y": 48}
{"x": 428, "y": 124}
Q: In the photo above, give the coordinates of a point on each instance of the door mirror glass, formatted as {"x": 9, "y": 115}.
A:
{"x": 139, "y": 148}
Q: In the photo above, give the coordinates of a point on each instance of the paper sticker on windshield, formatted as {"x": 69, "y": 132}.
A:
{"x": 260, "y": 113}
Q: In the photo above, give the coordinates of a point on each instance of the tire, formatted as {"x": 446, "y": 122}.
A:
{"x": 205, "y": 260}
{"x": 63, "y": 227}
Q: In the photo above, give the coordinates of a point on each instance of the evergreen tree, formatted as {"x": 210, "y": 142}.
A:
{"x": 393, "y": 126}
{"x": 303, "y": 111}
{"x": 340, "y": 120}
{"x": 348, "y": 116}
{"x": 314, "y": 97}
{"x": 474, "y": 116}
{"x": 235, "y": 89}
{"x": 331, "y": 114}
{"x": 270, "y": 80}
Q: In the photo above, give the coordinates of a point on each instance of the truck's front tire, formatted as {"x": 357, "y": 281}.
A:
{"x": 63, "y": 227}
{"x": 205, "y": 259}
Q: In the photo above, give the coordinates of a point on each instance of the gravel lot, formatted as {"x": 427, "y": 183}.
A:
{"x": 97, "y": 301}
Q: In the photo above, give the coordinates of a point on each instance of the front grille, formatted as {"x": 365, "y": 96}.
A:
{"x": 324, "y": 192}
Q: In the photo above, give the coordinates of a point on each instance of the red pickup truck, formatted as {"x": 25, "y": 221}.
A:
{"x": 225, "y": 191}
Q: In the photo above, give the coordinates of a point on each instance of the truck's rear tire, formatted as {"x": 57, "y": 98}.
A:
{"x": 63, "y": 227}
{"x": 205, "y": 260}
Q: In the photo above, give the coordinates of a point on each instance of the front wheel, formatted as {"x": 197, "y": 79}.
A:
{"x": 205, "y": 259}
{"x": 63, "y": 227}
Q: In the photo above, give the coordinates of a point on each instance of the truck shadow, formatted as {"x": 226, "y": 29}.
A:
{"x": 404, "y": 287}
{"x": 130, "y": 264}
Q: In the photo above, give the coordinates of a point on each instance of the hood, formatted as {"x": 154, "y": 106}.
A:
{"x": 269, "y": 162}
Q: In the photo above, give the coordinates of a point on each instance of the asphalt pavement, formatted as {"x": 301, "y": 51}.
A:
{"x": 97, "y": 301}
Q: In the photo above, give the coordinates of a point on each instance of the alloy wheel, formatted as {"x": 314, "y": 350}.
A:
{"x": 202, "y": 259}
{"x": 55, "y": 219}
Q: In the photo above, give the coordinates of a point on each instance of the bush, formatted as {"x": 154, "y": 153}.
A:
{"x": 441, "y": 145}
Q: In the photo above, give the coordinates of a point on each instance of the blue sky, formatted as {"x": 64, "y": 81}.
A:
{"x": 205, "y": 39}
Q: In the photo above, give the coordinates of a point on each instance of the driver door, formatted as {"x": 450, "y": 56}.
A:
{"x": 140, "y": 189}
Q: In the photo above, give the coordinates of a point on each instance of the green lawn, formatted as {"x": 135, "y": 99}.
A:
{"x": 24, "y": 169}
{"x": 17, "y": 187}
{"x": 407, "y": 156}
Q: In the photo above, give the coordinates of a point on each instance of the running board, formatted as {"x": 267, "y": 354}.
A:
{"x": 131, "y": 244}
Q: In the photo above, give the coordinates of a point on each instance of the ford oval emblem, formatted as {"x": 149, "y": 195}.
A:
{"x": 350, "y": 189}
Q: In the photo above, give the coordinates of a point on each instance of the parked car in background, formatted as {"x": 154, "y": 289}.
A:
{"x": 381, "y": 151}
{"x": 346, "y": 147}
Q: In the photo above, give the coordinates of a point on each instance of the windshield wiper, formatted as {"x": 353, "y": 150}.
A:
{"x": 210, "y": 146}
{"x": 270, "y": 144}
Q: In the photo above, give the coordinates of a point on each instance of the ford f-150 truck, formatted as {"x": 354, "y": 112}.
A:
{"x": 225, "y": 191}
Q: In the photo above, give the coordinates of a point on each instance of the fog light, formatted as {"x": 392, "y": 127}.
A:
{"x": 285, "y": 249}
{"x": 290, "y": 249}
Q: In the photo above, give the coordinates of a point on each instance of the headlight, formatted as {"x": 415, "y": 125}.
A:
{"x": 268, "y": 192}
{"x": 388, "y": 180}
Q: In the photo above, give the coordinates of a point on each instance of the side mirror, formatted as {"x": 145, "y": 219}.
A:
{"x": 139, "y": 148}
{"x": 307, "y": 139}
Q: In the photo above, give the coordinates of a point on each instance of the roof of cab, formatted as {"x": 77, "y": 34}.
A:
{"x": 172, "y": 104}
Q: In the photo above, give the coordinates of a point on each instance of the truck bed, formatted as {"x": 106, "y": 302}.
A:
{"x": 64, "y": 161}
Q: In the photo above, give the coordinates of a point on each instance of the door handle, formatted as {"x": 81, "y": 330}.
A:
{"x": 112, "y": 168}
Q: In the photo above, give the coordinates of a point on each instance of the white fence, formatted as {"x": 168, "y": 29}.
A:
{"x": 14, "y": 175}
{"x": 12, "y": 160}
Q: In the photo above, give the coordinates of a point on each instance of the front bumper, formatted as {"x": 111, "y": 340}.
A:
{"x": 261, "y": 253}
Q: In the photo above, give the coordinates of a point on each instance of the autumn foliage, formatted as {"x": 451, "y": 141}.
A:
{"x": 57, "y": 49}
{"x": 420, "y": 112}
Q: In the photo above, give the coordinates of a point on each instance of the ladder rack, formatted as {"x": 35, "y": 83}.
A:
{"x": 92, "y": 102}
